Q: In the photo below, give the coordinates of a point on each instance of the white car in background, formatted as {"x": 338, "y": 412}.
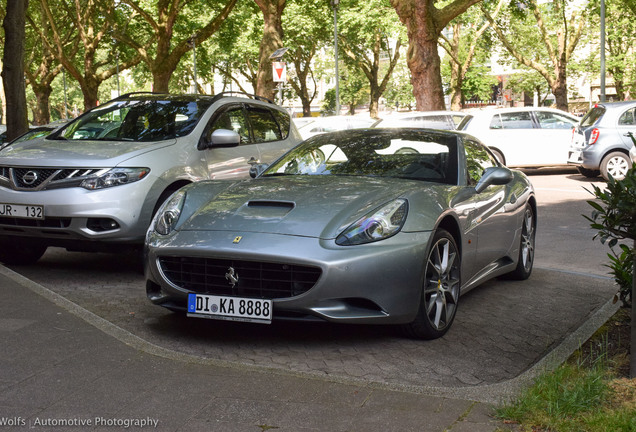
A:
{"x": 524, "y": 137}
{"x": 310, "y": 126}
{"x": 444, "y": 120}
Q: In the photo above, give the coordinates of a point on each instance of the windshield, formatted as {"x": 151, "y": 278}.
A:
{"x": 136, "y": 120}
{"x": 418, "y": 155}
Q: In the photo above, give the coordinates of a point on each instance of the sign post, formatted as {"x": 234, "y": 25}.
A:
{"x": 279, "y": 70}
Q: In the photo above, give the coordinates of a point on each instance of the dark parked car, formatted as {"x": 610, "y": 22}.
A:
{"x": 600, "y": 143}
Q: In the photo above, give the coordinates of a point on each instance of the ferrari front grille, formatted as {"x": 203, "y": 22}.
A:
{"x": 255, "y": 279}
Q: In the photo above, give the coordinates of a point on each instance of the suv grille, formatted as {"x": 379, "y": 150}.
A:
{"x": 35, "y": 177}
{"x": 21, "y": 178}
{"x": 256, "y": 279}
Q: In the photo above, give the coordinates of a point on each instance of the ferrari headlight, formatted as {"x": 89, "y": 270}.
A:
{"x": 379, "y": 224}
{"x": 115, "y": 177}
{"x": 168, "y": 215}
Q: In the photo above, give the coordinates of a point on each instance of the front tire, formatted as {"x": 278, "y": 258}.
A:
{"x": 526, "y": 247}
{"x": 21, "y": 251}
{"x": 440, "y": 289}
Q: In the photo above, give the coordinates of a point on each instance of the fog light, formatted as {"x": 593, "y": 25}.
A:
{"x": 102, "y": 224}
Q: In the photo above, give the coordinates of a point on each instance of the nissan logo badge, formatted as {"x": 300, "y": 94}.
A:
{"x": 30, "y": 177}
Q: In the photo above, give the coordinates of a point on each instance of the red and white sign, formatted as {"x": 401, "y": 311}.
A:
{"x": 279, "y": 70}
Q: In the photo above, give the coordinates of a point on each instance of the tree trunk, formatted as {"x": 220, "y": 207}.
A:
{"x": 306, "y": 107}
{"x": 374, "y": 107}
{"x": 90, "y": 91}
{"x": 272, "y": 40}
{"x": 456, "y": 78}
{"x": 161, "y": 80}
{"x": 374, "y": 99}
{"x": 13, "y": 68}
{"x": 456, "y": 99}
{"x": 560, "y": 91}
{"x": 42, "y": 112}
{"x": 424, "y": 24}
{"x": 424, "y": 62}
{"x": 422, "y": 57}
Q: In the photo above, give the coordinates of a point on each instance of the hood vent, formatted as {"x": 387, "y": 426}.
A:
{"x": 272, "y": 204}
{"x": 264, "y": 209}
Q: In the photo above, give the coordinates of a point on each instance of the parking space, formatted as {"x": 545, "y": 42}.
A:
{"x": 501, "y": 331}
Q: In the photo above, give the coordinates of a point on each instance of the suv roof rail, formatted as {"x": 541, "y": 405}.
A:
{"x": 128, "y": 95}
{"x": 237, "y": 93}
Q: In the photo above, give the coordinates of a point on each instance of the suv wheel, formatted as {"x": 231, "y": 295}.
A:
{"x": 21, "y": 251}
{"x": 615, "y": 164}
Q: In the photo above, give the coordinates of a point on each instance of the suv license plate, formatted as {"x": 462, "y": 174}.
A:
{"x": 22, "y": 211}
{"x": 230, "y": 308}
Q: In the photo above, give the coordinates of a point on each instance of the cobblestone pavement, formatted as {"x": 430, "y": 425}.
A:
{"x": 502, "y": 328}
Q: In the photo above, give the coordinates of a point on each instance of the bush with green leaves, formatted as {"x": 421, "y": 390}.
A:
{"x": 614, "y": 219}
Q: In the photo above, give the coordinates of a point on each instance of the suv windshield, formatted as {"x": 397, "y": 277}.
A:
{"x": 136, "y": 120}
{"x": 592, "y": 116}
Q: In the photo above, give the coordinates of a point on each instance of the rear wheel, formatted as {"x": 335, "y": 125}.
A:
{"x": 615, "y": 164}
{"x": 440, "y": 289}
{"x": 21, "y": 251}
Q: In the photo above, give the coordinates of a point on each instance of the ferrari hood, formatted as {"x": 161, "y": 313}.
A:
{"x": 45, "y": 152}
{"x": 310, "y": 206}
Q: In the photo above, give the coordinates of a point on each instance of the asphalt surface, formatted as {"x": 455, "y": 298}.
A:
{"x": 82, "y": 344}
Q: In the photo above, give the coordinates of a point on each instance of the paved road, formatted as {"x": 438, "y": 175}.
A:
{"x": 502, "y": 328}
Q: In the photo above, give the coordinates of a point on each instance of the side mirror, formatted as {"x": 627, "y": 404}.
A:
{"x": 256, "y": 168}
{"x": 494, "y": 176}
{"x": 224, "y": 138}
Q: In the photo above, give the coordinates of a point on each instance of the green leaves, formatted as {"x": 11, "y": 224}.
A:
{"x": 614, "y": 218}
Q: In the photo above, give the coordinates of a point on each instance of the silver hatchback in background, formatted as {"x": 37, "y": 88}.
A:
{"x": 95, "y": 184}
{"x": 601, "y": 143}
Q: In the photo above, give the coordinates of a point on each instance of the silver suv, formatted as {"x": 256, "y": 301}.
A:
{"x": 600, "y": 143}
{"x": 95, "y": 184}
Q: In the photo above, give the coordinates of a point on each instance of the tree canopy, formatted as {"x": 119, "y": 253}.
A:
{"x": 86, "y": 46}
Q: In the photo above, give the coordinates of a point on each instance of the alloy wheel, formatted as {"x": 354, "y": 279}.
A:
{"x": 441, "y": 291}
{"x": 527, "y": 240}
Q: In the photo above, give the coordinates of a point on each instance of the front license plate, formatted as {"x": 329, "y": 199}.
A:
{"x": 22, "y": 211}
{"x": 230, "y": 308}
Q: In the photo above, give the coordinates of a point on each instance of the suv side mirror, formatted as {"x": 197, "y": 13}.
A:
{"x": 256, "y": 168}
{"x": 494, "y": 176}
{"x": 222, "y": 138}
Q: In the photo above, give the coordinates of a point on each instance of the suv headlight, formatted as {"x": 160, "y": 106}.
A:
{"x": 115, "y": 177}
{"x": 168, "y": 215}
{"x": 377, "y": 225}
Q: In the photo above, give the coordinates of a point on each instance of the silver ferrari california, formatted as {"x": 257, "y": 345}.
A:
{"x": 361, "y": 226}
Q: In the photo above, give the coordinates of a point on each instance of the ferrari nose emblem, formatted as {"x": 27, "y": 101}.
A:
{"x": 232, "y": 276}
{"x": 237, "y": 239}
